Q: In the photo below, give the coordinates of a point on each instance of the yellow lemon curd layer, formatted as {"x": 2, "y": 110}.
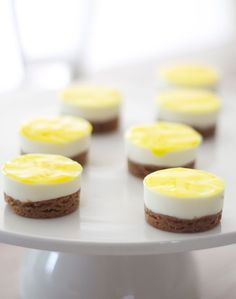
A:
{"x": 196, "y": 101}
{"x": 164, "y": 137}
{"x": 57, "y": 130}
{"x": 91, "y": 96}
{"x": 190, "y": 75}
{"x": 42, "y": 169}
{"x": 184, "y": 183}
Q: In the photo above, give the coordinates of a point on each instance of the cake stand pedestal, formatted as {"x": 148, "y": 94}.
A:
{"x": 54, "y": 275}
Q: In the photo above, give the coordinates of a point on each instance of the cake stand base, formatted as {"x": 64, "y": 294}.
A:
{"x": 54, "y": 275}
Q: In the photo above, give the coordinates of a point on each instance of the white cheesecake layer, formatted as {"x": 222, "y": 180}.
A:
{"x": 32, "y": 192}
{"x": 172, "y": 159}
{"x": 164, "y": 86}
{"x": 183, "y": 208}
{"x": 101, "y": 114}
{"x": 202, "y": 121}
{"x": 70, "y": 149}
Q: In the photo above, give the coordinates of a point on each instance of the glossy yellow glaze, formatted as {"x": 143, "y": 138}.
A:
{"x": 57, "y": 130}
{"x": 190, "y": 75}
{"x": 87, "y": 96}
{"x": 194, "y": 101}
{"x": 184, "y": 183}
{"x": 42, "y": 169}
{"x": 164, "y": 137}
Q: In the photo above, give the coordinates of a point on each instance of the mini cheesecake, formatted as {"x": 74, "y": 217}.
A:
{"x": 189, "y": 75}
{"x": 42, "y": 186}
{"x": 197, "y": 108}
{"x": 66, "y": 135}
{"x": 99, "y": 105}
{"x": 160, "y": 145}
{"x": 183, "y": 200}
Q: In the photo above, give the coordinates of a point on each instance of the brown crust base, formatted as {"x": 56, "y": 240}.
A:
{"x": 105, "y": 127}
{"x": 51, "y": 208}
{"x": 207, "y": 132}
{"x": 141, "y": 170}
{"x": 81, "y": 158}
{"x": 177, "y": 225}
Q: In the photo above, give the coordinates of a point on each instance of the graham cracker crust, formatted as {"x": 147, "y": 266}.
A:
{"x": 105, "y": 127}
{"x": 206, "y": 132}
{"x": 141, "y": 170}
{"x": 177, "y": 225}
{"x": 51, "y": 208}
{"x": 81, "y": 158}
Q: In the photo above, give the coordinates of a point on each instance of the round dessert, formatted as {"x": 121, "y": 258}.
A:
{"x": 190, "y": 75}
{"x": 183, "y": 200}
{"x": 197, "y": 108}
{"x": 160, "y": 145}
{"x": 99, "y": 105}
{"x": 41, "y": 185}
{"x": 66, "y": 135}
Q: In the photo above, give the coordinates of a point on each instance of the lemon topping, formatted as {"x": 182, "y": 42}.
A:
{"x": 184, "y": 183}
{"x": 164, "y": 137}
{"x": 59, "y": 130}
{"x": 91, "y": 96}
{"x": 189, "y": 101}
{"x": 190, "y": 75}
{"x": 42, "y": 169}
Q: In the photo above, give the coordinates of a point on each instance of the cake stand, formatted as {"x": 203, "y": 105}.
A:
{"x": 106, "y": 249}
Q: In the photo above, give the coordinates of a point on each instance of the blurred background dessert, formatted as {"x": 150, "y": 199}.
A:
{"x": 198, "y": 108}
{"x": 189, "y": 75}
{"x": 98, "y": 104}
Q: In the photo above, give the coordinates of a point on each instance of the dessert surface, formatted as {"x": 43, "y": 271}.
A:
{"x": 193, "y": 101}
{"x": 190, "y": 75}
{"x": 41, "y": 169}
{"x": 57, "y": 129}
{"x": 163, "y": 137}
{"x": 184, "y": 183}
{"x": 91, "y": 96}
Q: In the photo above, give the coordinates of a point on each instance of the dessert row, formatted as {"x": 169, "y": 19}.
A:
{"x": 175, "y": 199}
{"x": 149, "y": 147}
{"x": 44, "y": 182}
{"x": 198, "y": 108}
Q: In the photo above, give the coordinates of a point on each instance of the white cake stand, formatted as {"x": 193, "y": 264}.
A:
{"x": 106, "y": 249}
